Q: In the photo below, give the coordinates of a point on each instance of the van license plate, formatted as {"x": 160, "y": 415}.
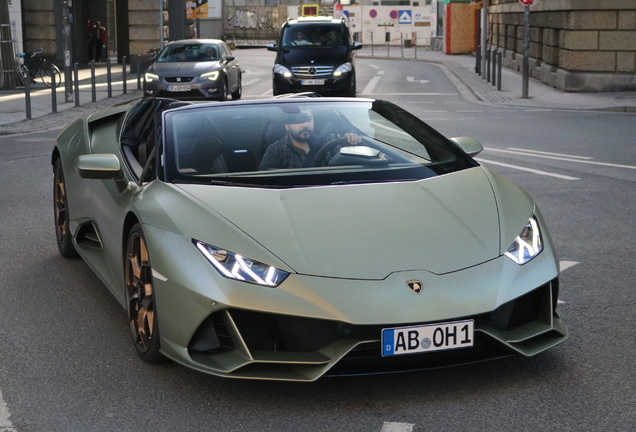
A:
{"x": 313, "y": 82}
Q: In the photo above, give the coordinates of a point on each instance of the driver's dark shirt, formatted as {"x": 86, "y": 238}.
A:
{"x": 283, "y": 154}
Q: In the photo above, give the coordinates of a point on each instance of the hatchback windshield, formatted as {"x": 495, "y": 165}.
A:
{"x": 189, "y": 53}
{"x": 292, "y": 143}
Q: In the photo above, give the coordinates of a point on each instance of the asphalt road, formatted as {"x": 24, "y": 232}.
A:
{"x": 67, "y": 363}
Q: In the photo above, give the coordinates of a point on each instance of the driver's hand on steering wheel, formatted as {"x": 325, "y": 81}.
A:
{"x": 352, "y": 138}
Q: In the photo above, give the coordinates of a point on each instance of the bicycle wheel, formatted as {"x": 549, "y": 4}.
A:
{"x": 47, "y": 70}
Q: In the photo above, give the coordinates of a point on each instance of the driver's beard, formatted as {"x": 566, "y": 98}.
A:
{"x": 297, "y": 135}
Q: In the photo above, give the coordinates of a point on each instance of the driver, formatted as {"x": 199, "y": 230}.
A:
{"x": 298, "y": 148}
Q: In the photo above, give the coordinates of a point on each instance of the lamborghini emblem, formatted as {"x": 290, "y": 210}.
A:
{"x": 415, "y": 285}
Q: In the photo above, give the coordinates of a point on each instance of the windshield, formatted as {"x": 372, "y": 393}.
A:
{"x": 295, "y": 143}
{"x": 188, "y": 53}
{"x": 301, "y": 35}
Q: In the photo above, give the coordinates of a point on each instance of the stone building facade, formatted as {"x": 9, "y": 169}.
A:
{"x": 575, "y": 45}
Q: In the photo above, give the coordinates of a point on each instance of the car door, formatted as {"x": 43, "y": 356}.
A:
{"x": 231, "y": 68}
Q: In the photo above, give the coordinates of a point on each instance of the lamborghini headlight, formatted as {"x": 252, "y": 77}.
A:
{"x": 528, "y": 244}
{"x": 282, "y": 70}
{"x": 212, "y": 76}
{"x": 150, "y": 77}
{"x": 235, "y": 266}
{"x": 342, "y": 69}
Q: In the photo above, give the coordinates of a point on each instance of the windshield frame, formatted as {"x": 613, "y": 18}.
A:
{"x": 323, "y": 176}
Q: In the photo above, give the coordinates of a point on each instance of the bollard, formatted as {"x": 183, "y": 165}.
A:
{"x": 416, "y": 50}
{"x": 494, "y": 67}
{"x": 53, "y": 94}
{"x": 402, "y": 45}
{"x": 500, "y": 55}
{"x": 138, "y": 72}
{"x": 109, "y": 79}
{"x": 487, "y": 71}
{"x": 478, "y": 60}
{"x": 93, "y": 91}
{"x": 76, "y": 83}
{"x": 123, "y": 74}
{"x": 371, "y": 44}
{"x": 27, "y": 94}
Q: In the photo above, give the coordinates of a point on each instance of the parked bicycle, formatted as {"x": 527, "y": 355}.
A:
{"x": 32, "y": 65}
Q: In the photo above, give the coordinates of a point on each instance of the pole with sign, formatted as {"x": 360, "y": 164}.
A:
{"x": 526, "y": 46}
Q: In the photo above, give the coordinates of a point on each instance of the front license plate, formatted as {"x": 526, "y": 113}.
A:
{"x": 313, "y": 82}
{"x": 426, "y": 338}
{"x": 179, "y": 88}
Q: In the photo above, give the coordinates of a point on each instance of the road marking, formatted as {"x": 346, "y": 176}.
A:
{"x": 397, "y": 427}
{"x": 564, "y": 265}
{"x": 412, "y": 79}
{"x": 549, "y": 153}
{"x": 5, "y": 423}
{"x": 568, "y": 159}
{"x": 535, "y": 110}
{"x": 431, "y": 111}
{"x": 421, "y": 102}
{"x": 267, "y": 93}
{"x": 374, "y": 66}
{"x": 463, "y": 111}
{"x": 417, "y": 94}
{"x": 564, "y": 177}
{"x": 371, "y": 86}
{"x": 381, "y": 72}
{"x": 250, "y": 81}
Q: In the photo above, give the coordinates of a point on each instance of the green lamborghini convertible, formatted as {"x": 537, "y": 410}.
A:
{"x": 292, "y": 238}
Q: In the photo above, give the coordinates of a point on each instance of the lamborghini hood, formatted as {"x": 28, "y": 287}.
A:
{"x": 368, "y": 231}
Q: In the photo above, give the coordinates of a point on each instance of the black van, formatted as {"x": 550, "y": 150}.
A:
{"x": 315, "y": 54}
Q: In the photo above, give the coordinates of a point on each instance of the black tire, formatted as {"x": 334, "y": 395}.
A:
{"x": 236, "y": 94}
{"x": 140, "y": 298}
{"x": 352, "y": 89}
{"x": 224, "y": 91}
{"x": 60, "y": 206}
{"x": 49, "y": 70}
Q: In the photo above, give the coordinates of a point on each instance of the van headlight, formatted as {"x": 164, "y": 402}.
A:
{"x": 282, "y": 70}
{"x": 342, "y": 69}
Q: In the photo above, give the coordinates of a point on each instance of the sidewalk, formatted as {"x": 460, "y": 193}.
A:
{"x": 459, "y": 68}
{"x": 462, "y": 72}
{"x": 13, "y": 106}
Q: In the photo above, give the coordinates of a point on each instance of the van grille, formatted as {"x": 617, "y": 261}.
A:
{"x": 312, "y": 71}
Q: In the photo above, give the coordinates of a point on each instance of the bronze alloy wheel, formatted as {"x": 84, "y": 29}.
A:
{"x": 60, "y": 206}
{"x": 140, "y": 297}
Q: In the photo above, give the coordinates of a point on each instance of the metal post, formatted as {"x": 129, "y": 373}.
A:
{"x": 478, "y": 60}
{"x": 500, "y": 55}
{"x": 76, "y": 83}
{"x": 484, "y": 36}
{"x": 526, "y": 52}
{"x": 494, "y": 67}
{"x": 53, "y": 94}
{"x": 66, "y": 40}
{"x": 93, "y": 91}
{"x": 372, "y": 44}
{"x": 388, "y": 45}
{"x": 402, "y": 44}
{"x": 487, "y": 71}
{"x": 123, "y": 73}
{"x": 27, "y": 94}
{"x": 138, "y": 72}
{"x": 416, "y": 49}
{"x": 109, "y": 79}
{"x": 161, "y": 25}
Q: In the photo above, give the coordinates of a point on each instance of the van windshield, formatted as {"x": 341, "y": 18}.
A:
{"x": 313, "y": 35}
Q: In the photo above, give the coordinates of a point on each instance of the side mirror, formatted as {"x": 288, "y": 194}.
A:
{"x": 469, "y": 145}
{"x": 272, "y": 47}
{"x": 101, "y": 167}
{"x": 356, "y": 45}
{"x": 229, "y": 58}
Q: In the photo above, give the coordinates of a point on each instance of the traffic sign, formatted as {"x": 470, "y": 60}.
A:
{"x": 393, "y": 14}
{"x": 528, "y": 2}
{"x": 373, "y": 13}
{"x": 405, "y": 17}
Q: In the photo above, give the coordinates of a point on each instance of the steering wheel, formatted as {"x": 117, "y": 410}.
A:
{"x": 323, "y": 153}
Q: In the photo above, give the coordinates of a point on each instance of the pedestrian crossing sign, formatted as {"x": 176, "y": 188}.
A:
{"x": 405, "y": 17}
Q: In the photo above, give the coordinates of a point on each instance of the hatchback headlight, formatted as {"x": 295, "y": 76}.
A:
{"x": 528, "y": 244}
{"x": 150, "y": 77}
{"x": 282, "y": 70}
{"x": 343, "y": 68}
{"x": 212, "y": 76}
{"x": 235, "y": 266}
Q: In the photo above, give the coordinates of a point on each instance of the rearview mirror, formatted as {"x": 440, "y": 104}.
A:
{"x": 101, "y": 167}
{"x": 272, "y": 47}
{"x": 469, "y": 145}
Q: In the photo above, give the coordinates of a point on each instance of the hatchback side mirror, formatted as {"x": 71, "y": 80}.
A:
{"x": 272, "y": 47}
{"x": 470, "y": 145}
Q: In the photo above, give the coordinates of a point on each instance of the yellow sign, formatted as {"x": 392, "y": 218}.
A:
{"x": 309, "y": 10}
{"x": 196, "y": 9}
